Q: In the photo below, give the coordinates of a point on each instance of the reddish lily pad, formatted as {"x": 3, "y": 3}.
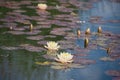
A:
{"x": 42, "y": 42}
{"x": 59, "y": 31}
{"x": 31, "y": 48}
{"x": 113, "y": 73}
{"x": 83, "y": 61}
{"x": 80, "y": 54}
{"x": 65, "y": 10}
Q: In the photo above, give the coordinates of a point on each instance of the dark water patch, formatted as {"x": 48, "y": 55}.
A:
{"x": 4, "y": 10}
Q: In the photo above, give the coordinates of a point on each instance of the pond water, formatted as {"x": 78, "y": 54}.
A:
{"x": 20, "y": 49}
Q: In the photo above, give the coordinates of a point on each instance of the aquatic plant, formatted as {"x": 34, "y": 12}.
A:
{"x": 78, "y": 32}
{"x": 87, "y": 31}
{"x": 42, "y": 6}
{"x": 31, "y": 27}
{"x": 86, "y": 41}
{"x": 99, "y": 29}
{"x": 52, "y": 45}
{"x": 64, "y": 57}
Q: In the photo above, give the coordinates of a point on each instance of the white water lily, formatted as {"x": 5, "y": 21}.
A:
{"x": 64, "y": 57}
{"x": 42, "y": 6}
{"x": 52, "y": 45}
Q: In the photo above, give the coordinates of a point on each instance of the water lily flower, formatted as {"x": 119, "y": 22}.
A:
{"x": 86, "y": 41}
{"x": 99, "y": 29}
{"x": 11, "y": 28}
{"x": 64, "y": 57}
{"x": 87, "y": 31}
{"x": 31, "y": 27}
{"x": 42, "y": 6}
{"x": 52, "y": 45}
{"x": 78, "y": 32}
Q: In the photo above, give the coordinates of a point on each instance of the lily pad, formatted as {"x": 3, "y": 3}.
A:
{"x": 9, "y": 48}
{"x": 41, "y": 42}
{"x": 31, "y": 48}
{"x": 38, "y": 37}
{"x": 16, "y": 32}
{"x": 83, "y": 61}
{"x": 107, "y": 59}
{"x": 113, "y": 73}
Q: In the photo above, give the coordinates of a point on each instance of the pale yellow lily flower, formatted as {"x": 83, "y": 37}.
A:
{"x": 42, "y": 6}
{"x": 64, "y": 57}
{"x": 52, "y": 45}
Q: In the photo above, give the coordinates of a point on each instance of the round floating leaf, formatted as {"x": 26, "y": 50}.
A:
{"x": 113, "y": 73}
{"x": 107, "y": 59}
{"x": 38, "y": 37}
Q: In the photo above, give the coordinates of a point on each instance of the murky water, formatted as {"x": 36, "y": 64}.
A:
{"x": 20, "y": 64}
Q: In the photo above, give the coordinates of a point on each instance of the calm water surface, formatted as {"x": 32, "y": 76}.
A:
{"x": 21, "y": 66}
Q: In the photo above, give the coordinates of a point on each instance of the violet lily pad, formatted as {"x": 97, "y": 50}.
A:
{"x": 31, "y": 48}
{"x": 113, "y": 73}
{"x": 83, "y": 61}
{"x": 9, "y": 48}
{"x": 39, "y": 37}
{"x": 107, "y": 59}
